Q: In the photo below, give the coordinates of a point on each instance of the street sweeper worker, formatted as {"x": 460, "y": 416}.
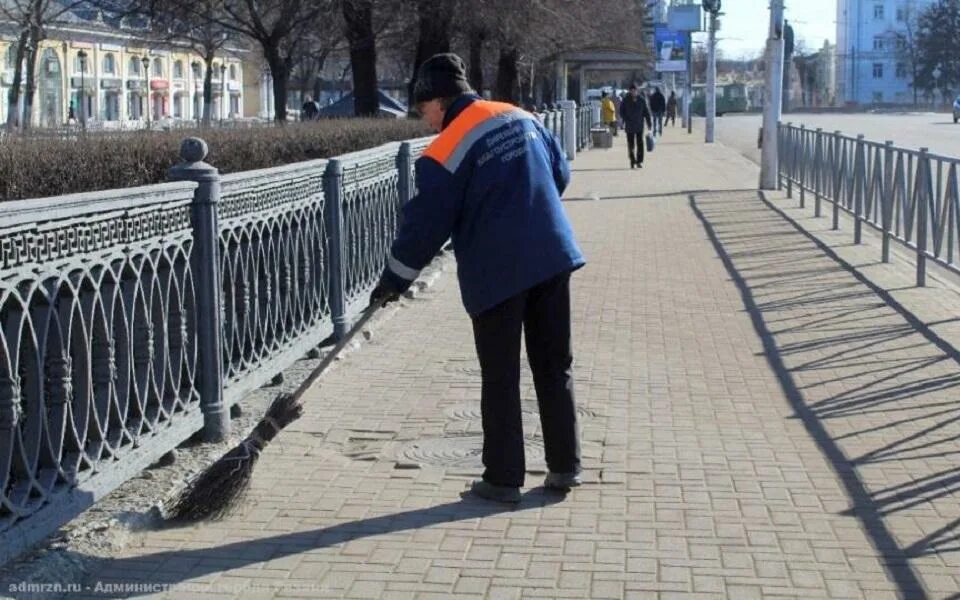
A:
{"x": 491, "y": 181}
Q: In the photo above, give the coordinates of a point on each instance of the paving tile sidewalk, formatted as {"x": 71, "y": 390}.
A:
{"x": 757, "y": 422}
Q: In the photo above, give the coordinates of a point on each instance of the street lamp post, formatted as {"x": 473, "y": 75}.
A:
{"x": 82, "y": 56}
{"x": 713, "y": 10}
{"x": 146, "y": 86}
{"x": 769, "y": 160}
{"x": 223, "y": 91}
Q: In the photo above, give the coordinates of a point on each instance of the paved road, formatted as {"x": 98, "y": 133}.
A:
{"x": 935, "y": 131}
{"x": 758, "y": 421}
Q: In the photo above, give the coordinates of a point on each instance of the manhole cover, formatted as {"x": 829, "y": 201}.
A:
{"x": 461, "y": 452}
{"x": 465, "y": 366}
{"x": 470, "y": 411}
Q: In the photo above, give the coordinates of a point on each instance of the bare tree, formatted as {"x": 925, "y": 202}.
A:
{"x": 907, "y": 49}
{"x": 310, "y": 57}
{"x": 279, "y": 27}
{"x": 33, "y": 18}
{"x": 938, "y": 33}
{"x": 434, "y": 21}
{"x": 358, "y": 17}
{"x": 534, "y": 31}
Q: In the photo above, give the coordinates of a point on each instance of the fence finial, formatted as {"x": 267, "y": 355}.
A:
{"x": 193, "y": 150}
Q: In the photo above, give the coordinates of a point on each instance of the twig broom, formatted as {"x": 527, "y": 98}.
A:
{"x": 212, "y": 493}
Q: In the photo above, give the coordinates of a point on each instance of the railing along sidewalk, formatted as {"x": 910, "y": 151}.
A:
{"x": 911, "y": 197}
{"x": 132, "y": 319}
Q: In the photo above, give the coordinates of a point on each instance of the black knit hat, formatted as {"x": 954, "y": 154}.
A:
{"x": 441, "y": 76}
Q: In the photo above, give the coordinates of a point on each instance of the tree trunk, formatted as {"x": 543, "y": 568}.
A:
{"x": 507, "y": 75}
{"x": 31, "y": 88}
{"x": 434, "y": 21}
{"x": 208, "y": 90}
{"x": 477, "y": 37}
{"x": 280, "y": 72}
{"x": 363, "y": 56}
{"x": 13, "y": 96}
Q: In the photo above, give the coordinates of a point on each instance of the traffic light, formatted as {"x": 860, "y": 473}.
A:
{"x": 711, "y": 6}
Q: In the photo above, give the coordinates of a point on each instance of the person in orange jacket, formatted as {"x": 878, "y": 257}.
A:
{"x": 491, "y": 182}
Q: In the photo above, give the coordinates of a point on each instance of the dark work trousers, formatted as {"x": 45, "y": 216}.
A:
{"x": 542, "y": 313}
{"x": 635, "y": 140}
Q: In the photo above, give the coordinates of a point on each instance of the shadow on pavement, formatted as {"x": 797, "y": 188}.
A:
{"x": 169, "y": 568}
{"x": 869, "y": 380}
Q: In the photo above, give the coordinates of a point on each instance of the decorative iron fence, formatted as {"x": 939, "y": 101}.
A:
{"x": 98, "y": 348}
{"x": 909, "y": 196}
{"x": 584, "y": 117}
{"x": 132, "y": 319}
{"x": 553, "y": 120}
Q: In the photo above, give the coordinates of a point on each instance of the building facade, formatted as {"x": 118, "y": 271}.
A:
{"x": 871, "y": 66}
{"x": 816, "y": 78}
{"x": 105, "y": 73}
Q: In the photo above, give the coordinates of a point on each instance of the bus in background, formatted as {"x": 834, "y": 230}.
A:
{"x": 731, "y": 98}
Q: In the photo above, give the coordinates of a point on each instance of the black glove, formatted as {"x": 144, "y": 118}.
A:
{"x": 384, "y": 293}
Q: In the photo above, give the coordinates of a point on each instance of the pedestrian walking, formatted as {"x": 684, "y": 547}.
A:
{"x": 672, "y": 108}
{"x": 608, "y": 112}
{"x": 635, "y": 113}
{"x": 491, "y": 181}
{"x": 310, "y": 110}
{"x": 658, "y": 108}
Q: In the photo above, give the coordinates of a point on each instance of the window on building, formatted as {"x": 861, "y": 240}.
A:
{"x": 109, "y": 64}
{"x": 878, "y": 70}
{"x": 157, "y": 67}
{"x": 11, "y": 57}
{"x": 877, "y": 11}
{"x": 233, "y": 72}
{"x": 878, "y": 42}
{"x": 901, "y": 70}
{"x": 178, "y": 69}
{"x": 78, "y": 65}
{"x": 901, "y": 42}
{"x": 133, "y": 67}
{"x": 216, "y": 71}
{"x": 878, "y": 97}
{"x": 197, "y": 73}
{"x": 901, "y": 15}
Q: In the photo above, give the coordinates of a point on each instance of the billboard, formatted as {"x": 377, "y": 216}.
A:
{"x": 671, "y": 47}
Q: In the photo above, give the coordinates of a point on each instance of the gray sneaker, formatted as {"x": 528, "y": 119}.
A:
{"x": 497, "y": 493}
{"x": 562, "y": 481}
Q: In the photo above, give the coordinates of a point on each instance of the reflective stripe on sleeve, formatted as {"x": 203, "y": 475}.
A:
{"x": 401, "y": 269}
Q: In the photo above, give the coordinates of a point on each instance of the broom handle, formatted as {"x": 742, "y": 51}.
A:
{"x": 329, "y": 358}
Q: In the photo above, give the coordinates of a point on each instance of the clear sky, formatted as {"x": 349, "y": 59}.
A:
{"x": 744, "y": 28}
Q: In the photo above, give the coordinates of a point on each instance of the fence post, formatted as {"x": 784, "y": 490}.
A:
{"x": 887, "y": 198}
{"x": 790, "y": 153}
{"x": 205, "y": 259}
{"x": 781, "y": 153}
{"x": 404, "y": 180}
{"x": 333, "y": 215}
{"x": 818, "y": 173}
{"x": 838, "y": 178}
{"x": 859, "y": 170}
{"x": 802, "y": 167}
{"x": 923, "y": 179}
{"x": 568, "y": 133}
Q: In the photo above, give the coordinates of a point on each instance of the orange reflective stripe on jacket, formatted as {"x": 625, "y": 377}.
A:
{"x": 457, "y": 131}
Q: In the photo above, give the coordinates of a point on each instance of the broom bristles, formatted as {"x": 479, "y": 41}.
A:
{"x": 213, "y": 492}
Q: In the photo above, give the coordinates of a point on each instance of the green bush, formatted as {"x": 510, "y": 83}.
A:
{"x": 34, "y": 167}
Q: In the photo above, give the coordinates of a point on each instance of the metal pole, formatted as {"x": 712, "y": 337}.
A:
{"x": 205, "y": 261}
{"x": 771, "y": 114}
{"x": 83, "y": 95}
{"x": 711, "y": 77}
{"x": 688, "y": 96}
